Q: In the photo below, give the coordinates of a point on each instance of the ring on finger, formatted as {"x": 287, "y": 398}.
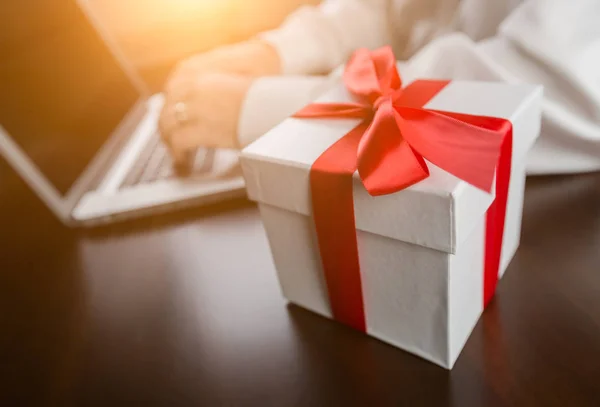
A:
{"x": 181, "y": 113}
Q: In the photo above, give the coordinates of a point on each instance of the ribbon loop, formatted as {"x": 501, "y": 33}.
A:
{"x": 371, "y": 74}
{"x": 464, "y": 145}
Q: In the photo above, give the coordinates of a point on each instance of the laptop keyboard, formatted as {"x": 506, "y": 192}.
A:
{"x": 155, "y": 164}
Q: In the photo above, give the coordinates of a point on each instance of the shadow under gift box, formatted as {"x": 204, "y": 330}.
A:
{"x": 421, "y": 250}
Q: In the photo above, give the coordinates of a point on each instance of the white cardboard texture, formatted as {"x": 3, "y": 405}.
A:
{"x": 422, "y": 274}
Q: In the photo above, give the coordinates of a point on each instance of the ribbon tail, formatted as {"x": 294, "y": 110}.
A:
{"x": 495, "y": 220}
{"x": 464, "y": 145}
{"x": 475, "y": 149}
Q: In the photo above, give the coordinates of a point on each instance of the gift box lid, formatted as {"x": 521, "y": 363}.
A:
{"x": 438, "y": 212}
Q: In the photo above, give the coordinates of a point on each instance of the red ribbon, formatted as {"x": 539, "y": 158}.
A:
{"x": 388, "y": 149}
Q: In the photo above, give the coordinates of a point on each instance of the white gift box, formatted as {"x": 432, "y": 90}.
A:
{"x": 421, "y": 250}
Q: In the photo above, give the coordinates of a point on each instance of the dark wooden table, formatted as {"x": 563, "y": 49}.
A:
{"x": 185, "y": 310}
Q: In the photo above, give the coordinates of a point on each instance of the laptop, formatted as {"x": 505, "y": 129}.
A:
{"x": 80, "y": 128}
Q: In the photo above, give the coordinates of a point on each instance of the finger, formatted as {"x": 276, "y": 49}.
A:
{"x": 183, "y": 145}
{"x": 183, "y": 159}
{"x": 180, "y": 157}
{"x": 179, "y": 90}
{"x": 167, "y": 123}
{"x": 170, "y": 118}
{"x": 179, "y": 86}
{"x": 185, "y": 165}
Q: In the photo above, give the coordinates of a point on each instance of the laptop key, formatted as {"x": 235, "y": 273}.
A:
{"x": 152, "y": 168}
{"x": 166, "y": 168}
{"x": 156, "y": 164}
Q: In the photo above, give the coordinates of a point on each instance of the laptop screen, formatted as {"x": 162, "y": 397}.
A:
{"x": 62, "y": 93}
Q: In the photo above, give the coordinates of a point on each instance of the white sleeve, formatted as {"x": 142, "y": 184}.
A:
{"x": 552, "y": 42}
{"x": 272, "y": 99}
{"x": 315, "y": 40}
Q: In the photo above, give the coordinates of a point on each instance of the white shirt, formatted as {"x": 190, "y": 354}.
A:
{"x": 555, "y": 43}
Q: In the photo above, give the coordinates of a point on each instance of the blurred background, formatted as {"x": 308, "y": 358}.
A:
{"x": 155, "y": 34}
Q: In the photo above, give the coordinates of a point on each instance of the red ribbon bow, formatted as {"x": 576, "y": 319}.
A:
{"x": 388, "y": 149}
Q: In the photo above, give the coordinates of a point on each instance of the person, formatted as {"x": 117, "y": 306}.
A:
{"x": 230, "y": 96}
